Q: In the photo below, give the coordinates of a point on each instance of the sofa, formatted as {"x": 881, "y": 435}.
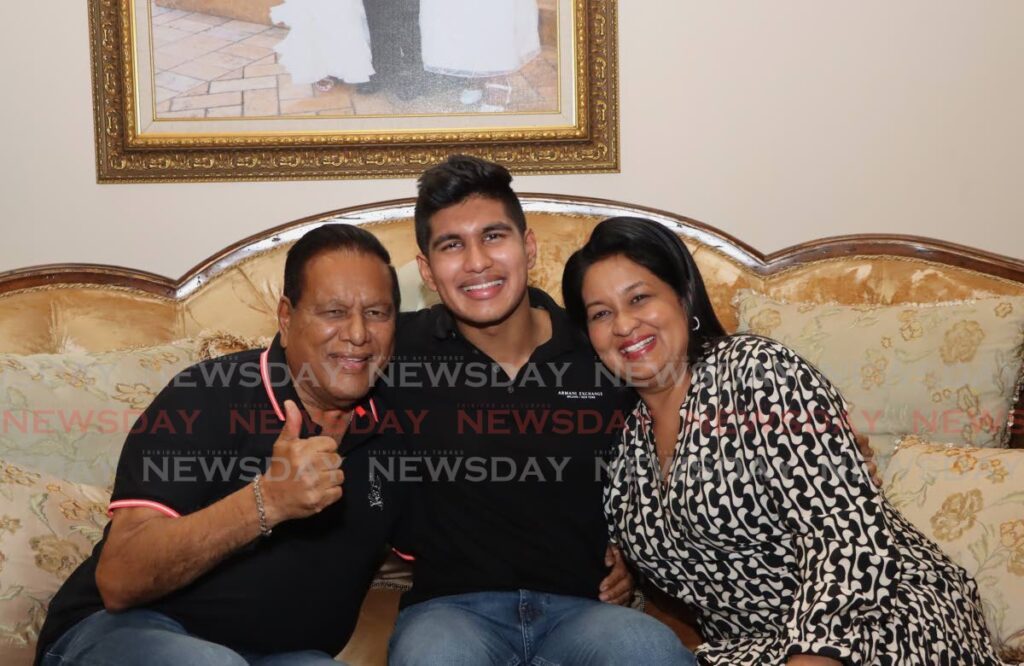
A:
{"x": 924, "y": 338}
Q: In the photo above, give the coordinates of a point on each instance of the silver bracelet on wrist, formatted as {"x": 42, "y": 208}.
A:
{"x": 260, "y": 508}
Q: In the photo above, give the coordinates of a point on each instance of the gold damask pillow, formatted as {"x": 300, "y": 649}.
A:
{"x": 415, "y": 294}
{"x": 211, "y": 344}
{"x": 68, "y": 414}
{"x": 947, "y": 371}
{"x": 970, "y": 501}
{"x": 47, "y": 528}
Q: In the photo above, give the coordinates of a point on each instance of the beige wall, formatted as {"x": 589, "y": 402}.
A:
{"x": 778, "y": 121}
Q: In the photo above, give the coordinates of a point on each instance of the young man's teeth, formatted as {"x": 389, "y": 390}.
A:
{"x": 638, "y": 346}
{"x": 485, "y": 285}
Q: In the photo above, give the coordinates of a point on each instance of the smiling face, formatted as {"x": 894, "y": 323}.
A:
{"x": 477, "y": 261}
{"x": 342, "y": 330}
{"x": 636, "y": 322}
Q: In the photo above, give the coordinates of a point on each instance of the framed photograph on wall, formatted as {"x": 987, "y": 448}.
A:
{"x": 207, "y": 90}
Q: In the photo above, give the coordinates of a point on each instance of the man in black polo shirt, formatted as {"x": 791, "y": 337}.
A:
{"x": 231, "y": 539}
{"x": 510, "y": 540}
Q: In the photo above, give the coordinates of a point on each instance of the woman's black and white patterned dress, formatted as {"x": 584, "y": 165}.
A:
{"x": 772, "y": 530}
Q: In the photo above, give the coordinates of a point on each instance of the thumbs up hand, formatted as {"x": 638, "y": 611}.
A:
{"x": 304, "y": 476}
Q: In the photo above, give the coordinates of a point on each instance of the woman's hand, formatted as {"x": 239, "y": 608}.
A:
{"x": 812, "y": 660}
{"x": 617, "y": 587}
{"x": 869, "y": 457}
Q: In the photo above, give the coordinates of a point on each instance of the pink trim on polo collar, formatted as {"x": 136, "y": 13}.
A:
{"x": 265, "y": 375}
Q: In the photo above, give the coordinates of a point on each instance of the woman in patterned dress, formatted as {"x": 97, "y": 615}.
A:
{"x": 737, "y": 486}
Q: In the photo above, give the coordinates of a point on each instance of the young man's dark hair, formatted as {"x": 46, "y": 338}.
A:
{"x": 331, "y": 238}
{"x": 456, "y": 179}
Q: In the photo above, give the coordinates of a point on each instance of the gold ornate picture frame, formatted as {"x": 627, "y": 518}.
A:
{"x": 156, "y": 63}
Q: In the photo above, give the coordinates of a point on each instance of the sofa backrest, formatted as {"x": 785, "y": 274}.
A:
{"x": 75, "y": 307}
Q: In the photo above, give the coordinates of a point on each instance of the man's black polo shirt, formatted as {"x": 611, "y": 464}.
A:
{"x": 205, "y": 436}
{"x": 512, "y": 470}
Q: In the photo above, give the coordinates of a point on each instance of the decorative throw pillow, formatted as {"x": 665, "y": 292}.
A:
{"x": 211, "y": 344}
{"x": 47, "y": 528}
{"x": 68, "y": 414}
{"x": 948, "y": 371}
{"x": 970, "y": 501}
{"x": 415, "y": 294}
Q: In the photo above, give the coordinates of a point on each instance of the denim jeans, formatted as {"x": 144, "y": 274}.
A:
{"x": 143, "y": 637}
{"x": 530, "y": 628}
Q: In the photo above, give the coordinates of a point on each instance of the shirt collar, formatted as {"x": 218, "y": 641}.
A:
{"x": 278, "y": 384}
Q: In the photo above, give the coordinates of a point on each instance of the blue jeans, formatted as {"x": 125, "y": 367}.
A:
{"x": 143, "y": 637}
{"x": 530, "y": 629}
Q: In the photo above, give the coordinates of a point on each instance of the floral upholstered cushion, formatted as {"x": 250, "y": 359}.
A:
{"x": 211, "y": 344}
{"x": 47, "y": 528}
{"x": 68, "y": 414}
{"x": 970, "y": 501}
{"x": 947, "y": 371}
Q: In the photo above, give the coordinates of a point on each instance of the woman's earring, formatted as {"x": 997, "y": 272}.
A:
{"x": 696, "y": 324}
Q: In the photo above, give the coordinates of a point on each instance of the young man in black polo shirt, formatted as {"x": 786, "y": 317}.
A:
{"x": 215, "y": 557}
{"x": 510, "y": 541}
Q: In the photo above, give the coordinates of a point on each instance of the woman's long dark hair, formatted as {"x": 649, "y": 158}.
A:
{"x": 659, "y": 250}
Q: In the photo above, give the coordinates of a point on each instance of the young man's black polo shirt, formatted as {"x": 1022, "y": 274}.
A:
{"x": 205, "y": 436}
{"x": 512, "y": 470}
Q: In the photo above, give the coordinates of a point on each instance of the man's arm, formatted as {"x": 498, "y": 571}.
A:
{"x": 148, "y": 555}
